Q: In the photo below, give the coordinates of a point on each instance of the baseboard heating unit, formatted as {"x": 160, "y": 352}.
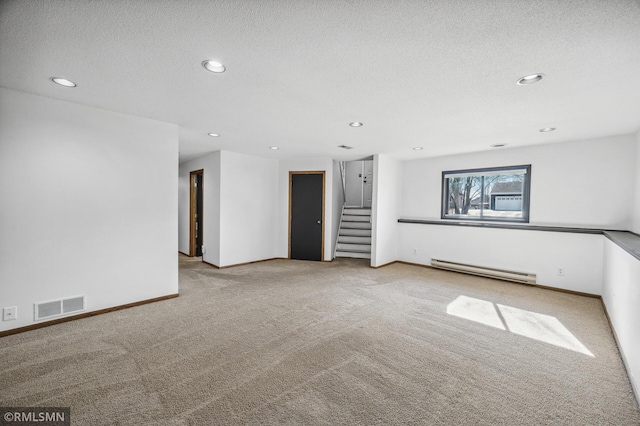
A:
{"x": 484, "y": 271}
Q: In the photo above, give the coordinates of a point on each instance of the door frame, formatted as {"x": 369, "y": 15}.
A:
{"x": 193, "y": 208}
{"x": 324, "y": 186}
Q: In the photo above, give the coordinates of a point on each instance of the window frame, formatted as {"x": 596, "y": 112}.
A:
{"x": 526, "y": 194}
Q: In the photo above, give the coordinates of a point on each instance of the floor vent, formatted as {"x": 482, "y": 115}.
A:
{"x": 501, "y": 274}
{"x": 57, "y": 308}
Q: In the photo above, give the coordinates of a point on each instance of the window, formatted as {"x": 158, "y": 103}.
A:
{"x": 495, "y": 194}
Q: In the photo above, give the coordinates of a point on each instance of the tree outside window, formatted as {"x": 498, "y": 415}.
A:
{"x": 492, "y": 194}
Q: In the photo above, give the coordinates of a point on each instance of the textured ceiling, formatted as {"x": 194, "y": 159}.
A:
{"x": 438, "y": 74}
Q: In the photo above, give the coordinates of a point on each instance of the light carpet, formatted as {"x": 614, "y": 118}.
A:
{"x": 295, "y": 342}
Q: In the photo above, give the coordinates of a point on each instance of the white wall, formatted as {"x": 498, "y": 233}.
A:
{"x": 89, "y": 205}
{"x": 582, "y": 184}
{"x": 387, "y": 186}
{"x": 541, "y": 253}
{"x": 621, "y": 296}
{"x": 573, "y": 184}
{"x": 299, "y": 165}
{"x": 635, "y": 221}
{"x": 248, "y": 208}
{"x": 183, "y": 209}
{"x": 240, "y": 195}
{"x": 211, "y": 205}
{"x": 337, "y": 204}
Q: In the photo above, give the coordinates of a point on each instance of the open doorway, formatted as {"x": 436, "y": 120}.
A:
{"x": 359, "y": 183}
{"x": 195, "y": 213}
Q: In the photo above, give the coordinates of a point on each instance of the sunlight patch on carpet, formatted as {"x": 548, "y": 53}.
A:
{"x": 540, "y": 327}
{"x": 476, "y": 310}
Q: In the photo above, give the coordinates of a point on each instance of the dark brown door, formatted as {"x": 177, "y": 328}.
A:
{"x": 306, "y": 215}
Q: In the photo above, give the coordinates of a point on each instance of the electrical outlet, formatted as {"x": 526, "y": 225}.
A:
{"x": 561, "y": 271}
{"x": 204, "y": 249}
{"x": 415, "y": 251}
{"x": 9, "y": 313}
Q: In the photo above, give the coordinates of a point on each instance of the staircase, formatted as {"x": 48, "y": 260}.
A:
{"x": 354, "y": 239}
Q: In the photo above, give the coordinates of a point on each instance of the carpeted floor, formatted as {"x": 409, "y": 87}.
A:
{"x": 294, "y": 342}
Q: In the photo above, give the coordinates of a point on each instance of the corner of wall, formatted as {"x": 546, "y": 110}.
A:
{"x": 338, "y": 203}
{"x": 210, "y": 163}
{"x": 387, "y": 175}
{"x": 635, "y": 213}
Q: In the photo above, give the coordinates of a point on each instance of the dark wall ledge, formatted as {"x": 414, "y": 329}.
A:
{"x": 628, "y": 241}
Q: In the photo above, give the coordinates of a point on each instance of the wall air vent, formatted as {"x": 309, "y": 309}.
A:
{"x": 345, "y": 147}
{"x": 58, "y": 308}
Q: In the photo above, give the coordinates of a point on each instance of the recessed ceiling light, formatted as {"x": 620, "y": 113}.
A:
{"x": 213, "y": 66}
{"x": 417, "y": 148}
{"x": 498, "y": 145}
{"x": 530, "y": 79}
{"x": 213, "y": 135}
{"x": 355, "y": 124}
{"x": 273, "y": 147}
{"x": 63, "y": 82}
{"x": 547, "y": 129}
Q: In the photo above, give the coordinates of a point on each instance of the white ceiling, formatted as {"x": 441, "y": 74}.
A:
{"x": 439, "y": 74}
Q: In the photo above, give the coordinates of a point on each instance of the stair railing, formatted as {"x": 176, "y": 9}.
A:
{"x": 344, "y": 185}
{"x": 335, "y": 249}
